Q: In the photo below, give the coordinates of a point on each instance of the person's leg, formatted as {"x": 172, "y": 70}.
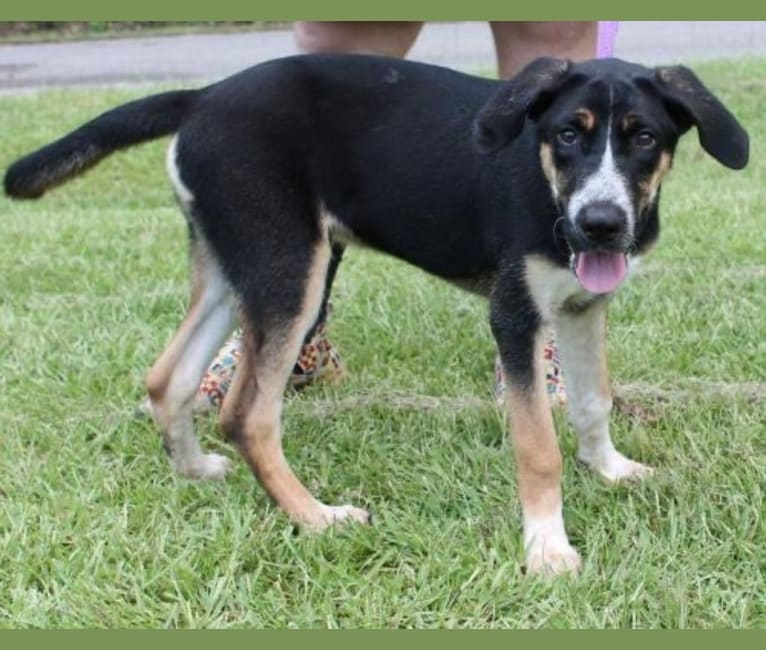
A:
{"x": 518, "y": 43}
{"x": 386, "y": 38}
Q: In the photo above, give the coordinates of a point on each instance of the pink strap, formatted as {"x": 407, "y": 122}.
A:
{"x": 607, "y": 32}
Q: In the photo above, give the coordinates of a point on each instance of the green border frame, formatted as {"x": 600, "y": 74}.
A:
{"x": 374, "y": 639}
{"x": 391, "y": 10}
{"x": 384, "y": 10}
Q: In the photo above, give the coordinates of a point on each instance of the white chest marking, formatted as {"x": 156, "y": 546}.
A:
{"x": 551, "y": 286}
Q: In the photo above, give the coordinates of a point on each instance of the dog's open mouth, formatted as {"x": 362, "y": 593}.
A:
{"x": 600, "y": 271}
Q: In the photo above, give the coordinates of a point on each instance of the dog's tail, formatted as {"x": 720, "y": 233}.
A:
{"x": 129, "y": 124}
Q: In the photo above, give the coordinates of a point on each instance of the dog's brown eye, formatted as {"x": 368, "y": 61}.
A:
{"x": 567, "y": 136}
{"x": 645, "y": 139}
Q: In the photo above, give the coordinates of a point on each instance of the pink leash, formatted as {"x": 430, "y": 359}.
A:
{"x": 607, "y": 33}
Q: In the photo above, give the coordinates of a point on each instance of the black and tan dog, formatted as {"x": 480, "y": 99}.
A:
{"x": 538, "y": 192}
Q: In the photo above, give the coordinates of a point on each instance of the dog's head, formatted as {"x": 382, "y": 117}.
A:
{"x": 607, "y": 131}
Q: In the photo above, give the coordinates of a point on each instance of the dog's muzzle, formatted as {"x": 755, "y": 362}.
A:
{"x": 599, "y": 240}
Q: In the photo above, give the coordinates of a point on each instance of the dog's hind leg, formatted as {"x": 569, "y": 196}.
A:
{"x": 173, "y": 380}
{"x": 581, "y": 338}
{"x": 277, "y": 313}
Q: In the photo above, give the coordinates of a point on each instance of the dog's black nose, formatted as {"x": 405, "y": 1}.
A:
{"x": 602, "y": 221}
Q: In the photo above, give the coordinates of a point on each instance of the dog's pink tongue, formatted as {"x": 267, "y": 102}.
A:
{"x": 599, "y": 271}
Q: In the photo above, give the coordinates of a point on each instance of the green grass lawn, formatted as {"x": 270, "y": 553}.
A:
{"x": 95, "y": 530}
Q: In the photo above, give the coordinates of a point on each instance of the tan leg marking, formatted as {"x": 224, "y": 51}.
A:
{"x": 539, "y": 468}
{"x": 252, "y": 410}
{"x": 159, "y": 376}
{"x": 173, "y": 380}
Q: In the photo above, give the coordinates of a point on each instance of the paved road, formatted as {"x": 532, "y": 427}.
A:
{"x": 465, "y": 46}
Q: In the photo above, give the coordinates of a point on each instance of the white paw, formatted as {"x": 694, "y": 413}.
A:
{"x": 144, "y": 408}
{"x": 332, "y": 515}
{"x": 615, "y": 467}
{"x": 212, "y": 467}
{"x": 551, "y": 555}
{"x": 347, "y": 512}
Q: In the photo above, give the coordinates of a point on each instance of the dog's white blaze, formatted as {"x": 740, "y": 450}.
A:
{"x": 171, "y": 165}
{"x": 606, "y": 184}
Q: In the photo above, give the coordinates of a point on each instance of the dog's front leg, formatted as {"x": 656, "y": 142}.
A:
{"x": 520, "y": 338}
{"x": 581, "y": 338}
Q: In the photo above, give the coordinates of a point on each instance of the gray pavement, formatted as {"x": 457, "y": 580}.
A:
{"x": 205, "y": 57}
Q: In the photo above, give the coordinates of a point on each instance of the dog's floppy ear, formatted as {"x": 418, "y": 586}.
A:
{"x": 501, "y": 119}
{"x": 719, "y": 132}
